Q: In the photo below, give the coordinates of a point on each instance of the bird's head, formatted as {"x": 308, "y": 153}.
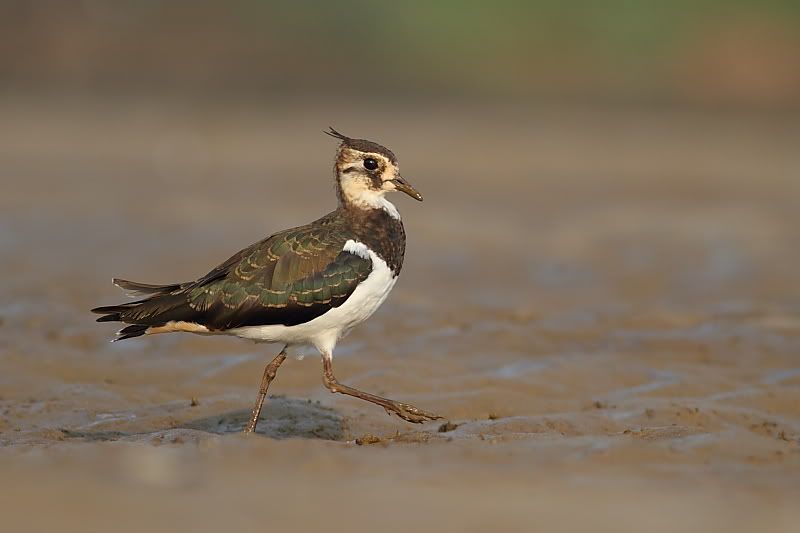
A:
{"x": 366, "y": 171}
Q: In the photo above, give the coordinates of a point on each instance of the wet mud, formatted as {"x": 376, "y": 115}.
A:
{"x": 603, "y": 304}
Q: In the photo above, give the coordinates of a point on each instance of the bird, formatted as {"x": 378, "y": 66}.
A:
{"x": 305, "y": 286}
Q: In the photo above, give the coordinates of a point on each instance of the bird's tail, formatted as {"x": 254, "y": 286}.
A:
{"x": 133, "y": 288}
{"x": 139, "y": 314}
{"x": 115, "y": 313}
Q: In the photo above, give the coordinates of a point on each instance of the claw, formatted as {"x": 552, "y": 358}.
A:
{"x": 409, "y": 413}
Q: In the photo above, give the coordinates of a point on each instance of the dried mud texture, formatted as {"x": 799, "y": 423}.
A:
{"x": 603, "y": 304}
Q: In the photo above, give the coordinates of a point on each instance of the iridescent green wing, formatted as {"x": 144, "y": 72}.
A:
{"x": 289, "y": 278}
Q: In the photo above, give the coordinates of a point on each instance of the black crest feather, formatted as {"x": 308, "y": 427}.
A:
{"x": 362, "y": 145}
{"x": 336, "y": 135}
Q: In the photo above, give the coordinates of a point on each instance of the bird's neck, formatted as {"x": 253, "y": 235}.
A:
{"x": 379, "y": 230}
{"x": 355, "y": 198}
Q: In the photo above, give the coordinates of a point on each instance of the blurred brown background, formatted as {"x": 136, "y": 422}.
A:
{"x": 600, "y": 291}
{"x": 711, "y": 52}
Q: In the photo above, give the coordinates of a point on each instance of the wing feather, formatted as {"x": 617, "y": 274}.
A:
{"x": 289, "y": 278}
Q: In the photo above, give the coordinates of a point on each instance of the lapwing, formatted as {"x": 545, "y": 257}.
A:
{"x": 305, "y": 286}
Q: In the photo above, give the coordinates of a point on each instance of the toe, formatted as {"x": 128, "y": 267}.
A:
{"x": 414, "y": 415}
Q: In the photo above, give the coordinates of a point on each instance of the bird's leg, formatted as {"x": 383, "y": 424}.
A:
{"x": 269, "y": 374}
{"x": 403, "y": 410}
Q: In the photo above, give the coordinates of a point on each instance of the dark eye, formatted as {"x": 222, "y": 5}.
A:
{"x": 370, "y": 164}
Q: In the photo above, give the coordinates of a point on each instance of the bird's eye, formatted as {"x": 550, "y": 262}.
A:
{"x": 370, "y": 164}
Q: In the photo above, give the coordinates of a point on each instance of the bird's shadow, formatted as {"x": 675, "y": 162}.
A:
{"x": 282, "y": 418}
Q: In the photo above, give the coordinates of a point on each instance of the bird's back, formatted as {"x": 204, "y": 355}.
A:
{"x": 288, "y": 278}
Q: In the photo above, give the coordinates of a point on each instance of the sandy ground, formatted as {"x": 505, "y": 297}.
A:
{"x": 603, "y": 304}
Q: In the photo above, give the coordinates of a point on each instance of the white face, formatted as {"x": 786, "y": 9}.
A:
{"x": 365, "y": 177}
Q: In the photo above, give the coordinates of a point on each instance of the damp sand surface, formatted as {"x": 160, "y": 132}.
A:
{"x": 603, "y": 304}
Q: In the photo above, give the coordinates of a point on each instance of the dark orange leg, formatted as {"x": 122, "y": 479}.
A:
{"x": 266, "y": 379}
{"x": 403, "y": 410}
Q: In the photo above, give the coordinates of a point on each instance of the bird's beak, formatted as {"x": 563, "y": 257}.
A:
{"x": 402, "y": 185}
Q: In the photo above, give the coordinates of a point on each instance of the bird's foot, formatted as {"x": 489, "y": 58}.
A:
{"x": 409, "y": 413}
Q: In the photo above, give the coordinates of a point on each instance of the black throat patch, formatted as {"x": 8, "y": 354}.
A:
{"x": 381, "y": 233}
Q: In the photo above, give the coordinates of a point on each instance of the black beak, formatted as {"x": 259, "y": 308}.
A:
{"x": 402, "y": 185}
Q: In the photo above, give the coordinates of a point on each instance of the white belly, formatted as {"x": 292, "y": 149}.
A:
{"x": 324, "y": 331}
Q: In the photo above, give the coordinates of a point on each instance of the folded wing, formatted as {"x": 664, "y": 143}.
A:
{"x": 289, "y": 278}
